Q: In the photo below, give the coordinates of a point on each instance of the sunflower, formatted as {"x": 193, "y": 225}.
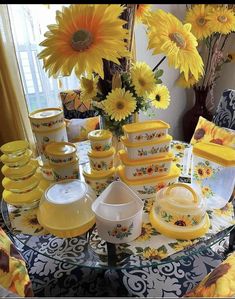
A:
{"x": 142, "y": 12}
{"x": 142, "y": 78}
{"x": 227, "y": 210}
{"x": 199, "y": 172}
{"x": 29, "y": 220}
{"x": 180, "y": 245}
{"x": 160, "y": 97}
{"x": 181, "y": 221}
{"x": 220, "y": 283}
{"x": 148, "y": 205}
{"x": 152, "y": 253}
{"x": 179, "y": 147}
{"x": 146, "y": 232}
{"x": 82, "y": 37}
{"x": 197, "y": 17}
{"x": 182, "y": 82}
{"x": 222, "y": 137}
{"x": 170, "y": 37}
{"x": 221, "y": 20}
{"x": 208, "y": 171}
{"x": 203, "y": 131}
{"x": 119, "y": 104}
{"x": 206, "y": 191}
{"x": 88, "y": 88}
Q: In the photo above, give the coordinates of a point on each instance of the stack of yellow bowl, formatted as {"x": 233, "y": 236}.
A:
{"x": 63, "y": 160}
{"x": 48, "y": 126}
{"x": 101, "y": 171}
{"x": 147, "y": 161}
{"x": 23, "y": 184}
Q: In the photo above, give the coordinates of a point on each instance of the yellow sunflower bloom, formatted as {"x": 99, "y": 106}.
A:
{"x": 227, "y": 210}
{"x": 146, "y": 232}
{"x": 182, "y": 245}
{"x": 208, "y": 171}
{"x": 143, "y": 78}
{"x": 142, "y": 12}
{"x": 182, "y": 82}
{"x": 88, "y": 88}
{"x": 179, "y": 147}
{"x": 160, "y": 97}
{"x": 222, "y": 137}
{"x": 152, "y": 253}
{"x": 170, "y": 37}
{"x": 199, "y": 172}
{"x": 197, "y": 17}
{"x": 206, "y": 191}
{"x": 148, "y": 204}
{"x": 221, "y": 20}
{"x": 202, "y": 131}
{"x": 119, "y": 104}
{"x": 82, "y": 37}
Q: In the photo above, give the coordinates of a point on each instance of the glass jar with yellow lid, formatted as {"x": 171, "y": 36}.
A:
{"x": 101, "y": 140}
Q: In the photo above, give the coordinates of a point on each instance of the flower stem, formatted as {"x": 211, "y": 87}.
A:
{"x": 159, "y": 63}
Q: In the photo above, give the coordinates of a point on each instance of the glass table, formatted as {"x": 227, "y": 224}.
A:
{"x": 88, "y": 250}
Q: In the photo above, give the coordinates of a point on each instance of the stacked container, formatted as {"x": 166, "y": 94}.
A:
{"x": 48, "y": 126}
{"x": 146, "y": 161}
{"x": 101, "y": 171}
{"x": 23, "y": 184}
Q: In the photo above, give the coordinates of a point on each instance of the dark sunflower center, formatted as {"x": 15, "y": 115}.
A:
{"x": 180, "y": 223}
{"x": 81, "y": 40}
{"x": 141, "y": 82}
{"x": 201, "y": 21}
{"x": 222, "y": 19}
{"x": 178, "y": 39}
{"x": 120, "y": 105}
{"x": 158, "y": 98}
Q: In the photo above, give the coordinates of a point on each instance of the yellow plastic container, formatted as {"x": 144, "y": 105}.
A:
{"x": 17, "y": 161}
{"x": 101, "y": 160}
{"x": 101, "y": 140}
{"x": 15, "y": 148}
{"x": 20, "y": 173}
{"x": 137, "y": 169}
{"x": 146, "y": 130}
{"x": 179, "y": 213}
{"x": 65, "y": 171}
{"x": 61, "y": 152}
{"x": 147, "y": 187}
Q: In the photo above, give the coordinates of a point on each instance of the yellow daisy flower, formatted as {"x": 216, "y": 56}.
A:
{"x": 142, "y": 78}
{"x": 160, "y": 97}
{"x": 220, "y": 283}
{"x": 152, "y": 253}
{"x": 170, "y": 37}
{"x": 142, "y": 12}
{"x": 88, "y": 88}
{"x": 182, "y": 82}
{"x": 231, "y": 57}
{"x": 82, "y": 37}
{"x": 119, "y": 104}
{"x": 197, "y": 17}
{"x": 221, "y": 20}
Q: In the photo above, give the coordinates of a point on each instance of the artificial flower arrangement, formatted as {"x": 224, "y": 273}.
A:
{"x": 96, "y": 41}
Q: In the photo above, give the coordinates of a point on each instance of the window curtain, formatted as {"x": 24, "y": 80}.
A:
{"x": 15, "y": 123}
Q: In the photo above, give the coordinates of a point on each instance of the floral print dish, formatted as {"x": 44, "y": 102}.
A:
{"x": 101, "y": 140}
{"x": 65, "y": 172}
{"x": 146, "y": 130}
{"x": 61, "y": 152}
{"x": 144, "y": 150}
{"x": 103, "y": 160}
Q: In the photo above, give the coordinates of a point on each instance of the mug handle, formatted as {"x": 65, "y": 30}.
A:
{"x": 195, "y": 198}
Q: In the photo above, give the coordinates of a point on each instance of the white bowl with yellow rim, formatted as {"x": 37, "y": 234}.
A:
{"x": 61, "y": 152}
{"x": 101, "y": 140}
{"x": 65, "y": 208}
{"x": 65, "y": 171}
{"x": 14, "y": 148}
{"x": 147, "y": 149}
{"x": 101, "y": 160}
{"x": 147, "y": 187}
{"x": 17, "y": 161}
{"x": 20, "y": 173}
{"x": 146, "y": 130}
{"x": 98, "y": 180}
{"x": 179, "y": 213}
{"x": 46, "y": 119}
{"x": 151, "y": 167}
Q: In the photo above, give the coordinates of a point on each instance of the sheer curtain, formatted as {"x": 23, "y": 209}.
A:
{"x": 29, "y": 23}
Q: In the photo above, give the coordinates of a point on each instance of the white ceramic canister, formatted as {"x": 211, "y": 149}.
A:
{"x": 46, "y": 119}
{"x": 146, "y": 130}
{"x": 118, "y": 213}
{"x": 65, "y": 171}
{"x": 137, "y": 169}
{"x": 147, "y": 149}
{"x": 101, "y": 160}
{"x": 46, "y": 137}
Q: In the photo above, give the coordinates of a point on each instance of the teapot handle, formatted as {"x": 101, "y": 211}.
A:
{"x": 195, "y": 198}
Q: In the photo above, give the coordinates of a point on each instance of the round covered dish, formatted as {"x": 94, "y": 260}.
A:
{"x": 101, "y": 160}
{"x": 65, "y": 209}
{"x": 14, "y": 148}
{"x": 101, "y": 140}
{"x": 179, "y": 212}
{"x": 17, "y": 161}
{"x": 61, "y": 152}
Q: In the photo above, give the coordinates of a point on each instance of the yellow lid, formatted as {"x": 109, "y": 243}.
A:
{"x": 101, "y": 154}
{"x": 20, "y": 186}
{"x": 131, "y": 162}
{"x": 6, "y": 159}
{"x": 14, "y": 146}
{"x": 174, "y": 172}
{"x": 22, "y": 198}
{"x": 97, "y": 174}
{"x": 60, "y": 148}
{"x": 145, "y": 126}
{"x": 217, "y": 153}
{"x": 127, "y": 143}
{"x": 45, "y": 113}
{"x": 20, "y": 171}
{"x": 99, "y": 135}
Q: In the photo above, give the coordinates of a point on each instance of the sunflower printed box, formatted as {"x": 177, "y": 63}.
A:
{"x": 214, "y": 172}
